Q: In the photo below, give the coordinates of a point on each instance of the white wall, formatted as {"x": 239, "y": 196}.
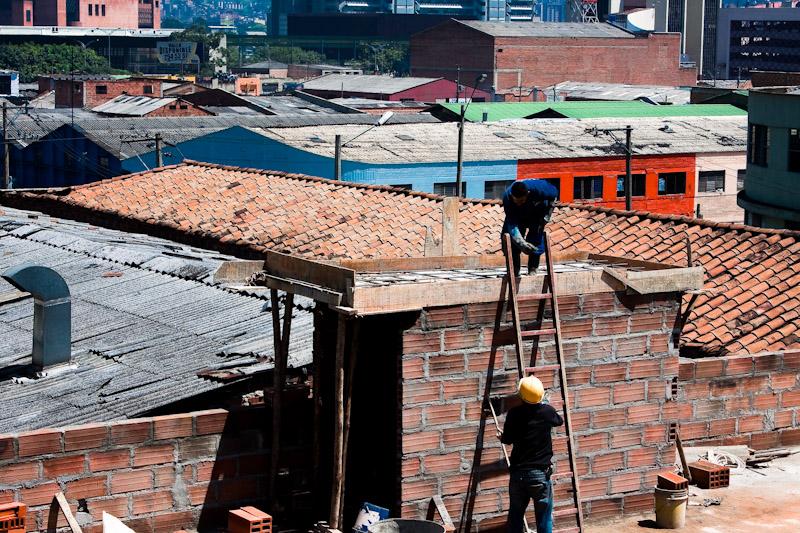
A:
{"x": 720, "y": 206}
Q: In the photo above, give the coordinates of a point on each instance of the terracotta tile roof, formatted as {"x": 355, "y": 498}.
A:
{"x": 752, "y": 298}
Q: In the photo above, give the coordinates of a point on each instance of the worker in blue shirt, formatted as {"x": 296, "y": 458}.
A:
{"x": 528, "y": 205}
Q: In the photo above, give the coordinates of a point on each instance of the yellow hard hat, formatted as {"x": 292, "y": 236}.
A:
{"x": 531, "y": 389}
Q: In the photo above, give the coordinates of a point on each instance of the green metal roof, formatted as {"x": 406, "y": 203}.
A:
{"x": 580, "y": 109}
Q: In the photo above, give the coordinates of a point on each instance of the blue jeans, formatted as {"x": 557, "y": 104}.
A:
{"x": 526, "y": 485}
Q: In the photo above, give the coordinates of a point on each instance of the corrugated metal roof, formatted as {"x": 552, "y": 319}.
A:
{"x": 618, "y": 92}
{"x": 364, "y": 83}
{"x": 519, "y": 139}
{"x": 146, "y": 319}
{"x": 515, "y": 110}
{"x": 548, "y": 29}
{"x": 135, "y": 106}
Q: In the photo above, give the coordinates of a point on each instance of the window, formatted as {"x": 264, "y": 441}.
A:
{"x": 637, "y": 185}
{"x": 148, "y": 89}
{"x": 493, "y": 190}
{"x": 794, "y": 150}
{"x": 672, "y": 183}
{"x": 97, "y": 10}
{"x": 740, "y": 175}
{"x": 103, "y": 10}
{"x": 27, "y": 15}
{"x": 711, "y": 181}
{"x": 90, "y": 10}
{"x": 101, "y": 89}
{"x": 555, "y": 182}
{"x": 758, "y": 145}
{"x": 103, "y": 162}
{"x": 449, "y": 188}
{"x": 173, "y": 106}
{"x": 588, "y": 187}
{"x": 184, "y": 106}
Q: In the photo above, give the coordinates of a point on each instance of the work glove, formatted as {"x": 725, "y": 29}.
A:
{"x": 522, "y": 244}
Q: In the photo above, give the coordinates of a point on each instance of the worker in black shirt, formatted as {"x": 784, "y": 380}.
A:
{"x": 528, "y": 427}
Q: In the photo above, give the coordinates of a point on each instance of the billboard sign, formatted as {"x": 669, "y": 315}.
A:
{"x": 176, "y": 53}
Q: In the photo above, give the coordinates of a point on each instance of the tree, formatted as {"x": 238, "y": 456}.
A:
{"x": 206, "y": 41}
{"x": 382, "y": 58}
{"x": 31, "y": 60}
{"x": 287, "y": 54}
{"x": 172, "y": 22}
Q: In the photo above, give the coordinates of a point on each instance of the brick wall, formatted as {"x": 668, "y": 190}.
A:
{"x": 157, "y": 474}
{"x": 621, "y": 366}
{"x": 188, "y": 110}
{"x": 748, "y": 399}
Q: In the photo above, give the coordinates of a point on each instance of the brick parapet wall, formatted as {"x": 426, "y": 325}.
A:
{"x": 743, "y": 399}
{"x": 621, "y": 367}
{"x": 156, "y": 474}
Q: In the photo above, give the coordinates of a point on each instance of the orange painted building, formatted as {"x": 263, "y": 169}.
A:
{"x": 661, "y": 183}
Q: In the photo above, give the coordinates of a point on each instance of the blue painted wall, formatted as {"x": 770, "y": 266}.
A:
{"x": 241, "y": 147}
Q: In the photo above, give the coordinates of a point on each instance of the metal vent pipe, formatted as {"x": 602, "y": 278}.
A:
{"x": 52, "y": 314}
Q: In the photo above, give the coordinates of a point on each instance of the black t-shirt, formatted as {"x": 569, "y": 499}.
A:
{"x": 528, "y": 428}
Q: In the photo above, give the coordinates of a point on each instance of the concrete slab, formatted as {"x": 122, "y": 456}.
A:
{"x": 756, "y": 501}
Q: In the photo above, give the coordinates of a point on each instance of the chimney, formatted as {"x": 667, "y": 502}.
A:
{"x": 51, "y": 312}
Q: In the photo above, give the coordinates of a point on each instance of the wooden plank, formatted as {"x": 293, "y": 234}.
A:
{"x": 337, "y": 487}
{"x": 237, "y": 271}
{"x": 277, "y": 390}
{"x": 13, "y": 296}
{"x": 333, "y": 277}
{"x": 631, "y": 262}
{"x": 662, "y": 281}
{"x": 60, "y": 504}
{"x": 436, "y": 505}
{"x": 512, "y": 297}
{"x": 450, "y": 207}
{"x": 314, "y": 292}
{"x": 348, "y": 399}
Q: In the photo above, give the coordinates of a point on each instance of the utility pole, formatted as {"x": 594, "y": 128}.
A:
{"x": 6, "y": 166}
{"x": 628, "y": 179}
{"x": 337, "y": 156}
{"x": 159, "y": 160}
{"x": 460, "y": 164}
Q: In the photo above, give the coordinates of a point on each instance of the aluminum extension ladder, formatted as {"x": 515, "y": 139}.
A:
{"x": 548, "y": 294}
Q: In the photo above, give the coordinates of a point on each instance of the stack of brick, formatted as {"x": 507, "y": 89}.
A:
{"x": 155, "y": 474}
{"x": 622, "y": 370}
{"x": 742, "y": 399}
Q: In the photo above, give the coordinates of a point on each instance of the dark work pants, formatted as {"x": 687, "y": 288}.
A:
{"x": 526, "y": 485}
{"x": 533, "y": 237}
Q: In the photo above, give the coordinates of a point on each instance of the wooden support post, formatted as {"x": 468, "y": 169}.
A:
{"x": 337, "y": 487}
{"x": 351, "y": 370}
{"x": 450, "y": 207}
{"x": 281, "y": 351}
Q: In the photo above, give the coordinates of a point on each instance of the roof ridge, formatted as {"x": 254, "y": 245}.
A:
{"x": 691, "y": 221}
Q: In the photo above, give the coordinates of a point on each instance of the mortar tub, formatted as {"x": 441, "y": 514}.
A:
{"x": 671, "y": 508}
{"x": 405, "y": 525}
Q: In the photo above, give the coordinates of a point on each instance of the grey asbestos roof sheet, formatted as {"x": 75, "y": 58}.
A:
{"x": 548, "y": 29}
{"x": 519, "y": 139}
{"x": 364, "y": 83}
{"x": 135, "y": 106}
{"x": 583, "y": 90}
{"x": 146, "y": 318}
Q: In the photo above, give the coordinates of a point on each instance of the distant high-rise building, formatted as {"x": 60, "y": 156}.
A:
{"x": 82, "y": 13}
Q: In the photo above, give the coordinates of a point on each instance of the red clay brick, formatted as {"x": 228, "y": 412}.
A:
{"x": 783, "y": 419}
{"x": 132, "y": 481}
{"x": 608, "y": 418}
{"x": 594, "y": 487}
{"x": 115, "y": 506}
{"x": 414, "y": 490}
{"x": 610, "y": 372}
{"x": 455, "y": 484}
{"x": 199, "y": 494}
{"x": 479, "y": 362}
{"x": 622, "y": 438}
{"x": 592, "y": 443}
{"x": 153, "y": 455}
{"x": 791, "y": 360}
{"x": 421, "y": 441}
{"x": 39, "y": 495}
{"x": 40, "y": 442}
{"x": 756, "y": 384}
{"x": 644, "y": 368}
{"x": 739, "y": 365}
{"x": 629, "y": 392}
{"x": 626, "y": 482}
{"x": 164, "y": 476}
{"x": 440, "y": 365}
{"x": 709, "y": 368}
{"x": 607, "y": 462}
{"x": 442, "y": 414}
{"x": 459, "y": 339}
{"x": 638, "y": 503}
{"x": 89, "y": 487}
{"x": 655, "y": 434}
{"x": 411, "y": 466}
{"x": 750, "y": 424}
{"x": 414, "y": 368}
{"x": 596, "y": 349}
{"x": 576, "y": 328}
{"x": 686, "y": 370}
{"x": 152, "y": 502}
{"x": 112, "y": 460}
{"x": 765, "y": 441}
{"x": 724, "y": 387}
{"x": 643, "y": 413}
{"x": 199, "y": 447}
{"x": 768, "y": 362}
{"x": 694, "y": 430}
{"x": 767, "y": 400}
{"x": 462, "y": 388}
{"x": 718, "y": 428}
{"x": 63, "y": 466}
{"x": 172, "y": 426}
{"x": 630, "y": 346}
{"x": 659, "y": 344}
{"x": 210, "y": 422}
{"x": 790, "y": 437}
{"x": 422, "y": 392}
{"x": 15, "y": 473}
{"x": 612, "y": 325}
{"x": 641, "y": 322}
{"x": 85, "y": 437}
{"x": 783, "y": 381}
{"x": 436, "y": 464}
{"x": 790, "y": 398}
{"x": 422, "y": 342}
{"x": 441, "y": 317}
{"x": 461, "y": 436}
{"x": 596, "y": 303}
{"x": 7, "y": 448}
{"x": 642, "y": 457}
{"x": 592, "y": 397}
{"x": 578, "y": 375}
{"x": 693, "y": 391}
{"x": 131, "y": 432}
{"x": 412, "y": 417}
{"x": 739, "y": 403}
{"x": 182, "y": 520}
{"x": 606, "y": 508}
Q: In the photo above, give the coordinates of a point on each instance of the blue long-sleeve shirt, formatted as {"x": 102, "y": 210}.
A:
{"x": 531, "y": 214}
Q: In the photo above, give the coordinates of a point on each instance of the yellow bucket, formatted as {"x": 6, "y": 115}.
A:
{"x": 671, "y": 508}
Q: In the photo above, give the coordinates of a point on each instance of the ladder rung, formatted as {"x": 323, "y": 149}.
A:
{"x": 537, "y": 332}
{"x": 531, "y": 297}
{"x": 541, "y": 368}
{"x": 564, "y": 511}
